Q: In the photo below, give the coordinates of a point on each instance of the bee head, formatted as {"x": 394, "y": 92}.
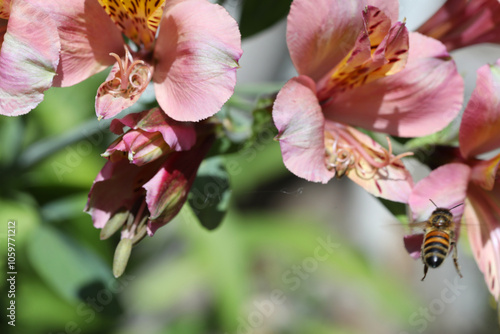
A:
{"x": 441, "y": 216}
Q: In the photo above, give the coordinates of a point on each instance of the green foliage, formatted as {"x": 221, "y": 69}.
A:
{"x": 210, "y": 194}
{"x": 65, "y": 265}
{"x": 257, "y": 15}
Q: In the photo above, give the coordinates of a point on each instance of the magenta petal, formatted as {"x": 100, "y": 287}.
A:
{"x": 196, "y": 54}
{"x": 480, "y": 127}
{"x": 419, "y": 100}
{"x": 298, "y": 117}
{"x": 29, "y": 56}
{"x": 413, "y": 244}
{"x": 446, "y": 186}
{"x": 167, "y": 191}
{"x": 178, "y": 135}
{"x": 321, "y": 33}
{"x": 87, "y": 37}
{"x": 117, "y": 186}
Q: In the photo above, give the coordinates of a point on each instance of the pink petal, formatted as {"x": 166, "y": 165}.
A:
{"x": 298, "y": 117}
{"x": 87, "y": 37}
{"x": 480, "y": 127}
{"x": 141, "y": 147}
{"x": 196, "y": 54}
{"x": 460, "y": 23}
{"x": 446, "y": 186}
{"x": 483, "y": 227}
{"x": 421, "y": 99}
{"x": 29, "y": 56}
{"x": 179, "y": 136}
{"x": 389, "y": 7}
{"x": 321, "y": 33}
{"x": 112, "y": 97}
{"x": 392, "y": 182}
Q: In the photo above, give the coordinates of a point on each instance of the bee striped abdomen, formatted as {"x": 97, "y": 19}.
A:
{"x": 435, "y": 248}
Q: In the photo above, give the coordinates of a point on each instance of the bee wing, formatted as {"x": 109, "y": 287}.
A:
{"x": 418, "y": 226}
{"x": 413, "y": 241}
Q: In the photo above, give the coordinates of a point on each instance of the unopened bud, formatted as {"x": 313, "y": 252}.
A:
{"x": 114, "y": 224}
{"x": 122, "y": 254}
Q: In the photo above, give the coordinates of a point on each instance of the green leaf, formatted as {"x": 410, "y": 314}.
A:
{"x": 210, "y": 194}
{"x": 66, "y": 266}
{"x": 257, "y": 15}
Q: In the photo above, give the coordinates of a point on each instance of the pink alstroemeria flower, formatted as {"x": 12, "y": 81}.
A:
{"x": 460, "y": 23}
{"x": 469, "y": 179}
{"x": 358, "y": 67}
{"x": 147, "y": 179}
{"x": 188, "y": 48}
{"x": 29, "y": 55}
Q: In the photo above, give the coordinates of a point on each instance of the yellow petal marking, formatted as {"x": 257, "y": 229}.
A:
{"x": 137, "y": 19}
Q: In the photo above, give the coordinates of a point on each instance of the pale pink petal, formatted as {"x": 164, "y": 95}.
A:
{"x": 87, "y": 37}
{"x": 392, "y": 182}
{"x": 483, "y": 227}
{"x": 446, "y": 186}
{"x": 196, "y": 54}
{"x": 321, "y": 33}
{"x": 179, "y": 136}
{"x": 389, "y": 7}
{"x": 118, "y": 93}
{"x": 298, "y": 117}
{"x": 421, "y": 99}
{"x": 480, "y": 127}
{"x": 29, "y": 56}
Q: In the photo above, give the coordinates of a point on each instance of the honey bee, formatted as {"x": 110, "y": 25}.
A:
{"x": 439, "y": 238}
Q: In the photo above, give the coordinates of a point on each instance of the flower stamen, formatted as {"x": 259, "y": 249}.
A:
{"x": 344, "y": 151}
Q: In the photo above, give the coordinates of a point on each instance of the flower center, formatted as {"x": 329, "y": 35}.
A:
{"x": 132, "y": 76}
{"x": 380, "y": 50}
{"x": 137, "y": 19}
{"x": 348, "y": 149}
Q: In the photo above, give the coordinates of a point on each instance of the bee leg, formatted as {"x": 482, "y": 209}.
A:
{"x": 455, "y": 258}
{"x": 425, "y": 271}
